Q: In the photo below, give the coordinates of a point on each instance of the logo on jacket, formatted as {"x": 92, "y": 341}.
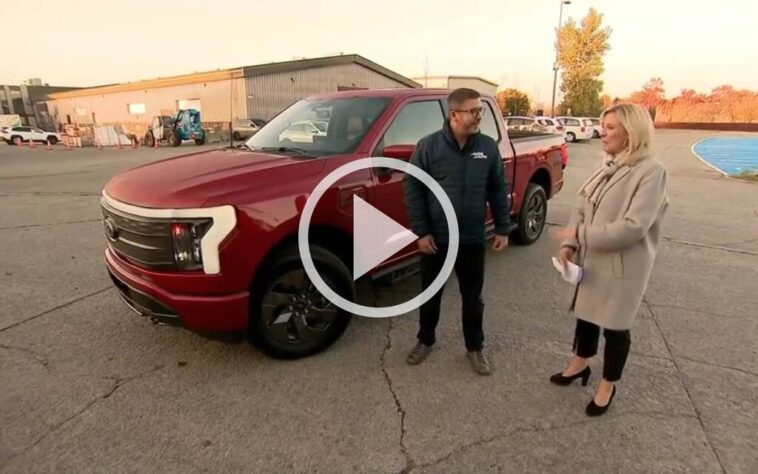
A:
{"x": 478, "y": 155}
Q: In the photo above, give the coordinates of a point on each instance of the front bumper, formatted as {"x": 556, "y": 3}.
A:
{"x": 206, "y": 315}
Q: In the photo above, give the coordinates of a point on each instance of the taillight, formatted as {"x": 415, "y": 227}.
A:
{"x": 564, "y": 155}
{"x": 582, "y": 129}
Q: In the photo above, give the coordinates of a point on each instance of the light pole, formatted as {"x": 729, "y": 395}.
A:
{"x": 555, "y": 64}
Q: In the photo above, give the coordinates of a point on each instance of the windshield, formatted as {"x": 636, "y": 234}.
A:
{"x": 320, "y": 127}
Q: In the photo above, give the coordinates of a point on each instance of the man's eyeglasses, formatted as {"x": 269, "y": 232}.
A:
{"x": 476, "y": 111}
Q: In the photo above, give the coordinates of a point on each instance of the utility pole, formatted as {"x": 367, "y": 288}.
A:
{"x": 426, "y": 70}
{"x": 555, "y": 64}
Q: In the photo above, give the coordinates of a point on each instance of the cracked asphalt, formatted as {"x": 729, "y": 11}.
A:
{"x": 87, "y": 386}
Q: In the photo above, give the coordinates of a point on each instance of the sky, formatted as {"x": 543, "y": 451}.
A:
{"x": 689, "y": 44}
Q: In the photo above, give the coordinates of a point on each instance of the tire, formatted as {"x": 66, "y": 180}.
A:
{"x": 237, "y": 136}
{"x": 16, "y": 140}
{"x": 570, "y": 137}
{"x": 200, "y": 141}
{"x": 595, "y": 134}
{"x": 532, "y": 216}
{"x": 173, "y": 139}
{"x": 273, "y": 293}
{"x": 53, "y": 140}
{"x": 149, "y": 140}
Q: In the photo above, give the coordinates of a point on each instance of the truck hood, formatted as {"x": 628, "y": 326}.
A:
{"x": 208, "y": 178}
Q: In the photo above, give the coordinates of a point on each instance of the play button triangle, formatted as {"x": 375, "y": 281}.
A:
{"x": 376, "y": 237}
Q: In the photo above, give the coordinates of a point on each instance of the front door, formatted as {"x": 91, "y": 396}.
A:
{"x": 413, "y": 120}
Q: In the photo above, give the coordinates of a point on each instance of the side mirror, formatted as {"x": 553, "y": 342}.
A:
{"x": 400, "y": 152}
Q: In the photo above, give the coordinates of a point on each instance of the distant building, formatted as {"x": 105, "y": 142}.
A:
{"x": 453, "y": 82}
{"x": 222, "y": 96}
{"x": 28, "y": 103}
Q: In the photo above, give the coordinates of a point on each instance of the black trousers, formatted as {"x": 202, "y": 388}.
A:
{"x": 469, "y": 268}
{"x": 616, "y": 352}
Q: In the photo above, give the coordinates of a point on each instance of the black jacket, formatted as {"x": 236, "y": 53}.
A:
{"x": 471, "y": 177}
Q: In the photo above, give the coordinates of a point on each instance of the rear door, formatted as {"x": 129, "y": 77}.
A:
{"x": 25, "y": 132}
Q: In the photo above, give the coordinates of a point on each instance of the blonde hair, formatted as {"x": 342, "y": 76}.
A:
{"x": 639, "y": 127}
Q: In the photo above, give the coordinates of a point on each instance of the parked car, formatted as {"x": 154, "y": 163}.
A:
{"x": 551, "y": 125}
{"x": 18, "y": 135}
{"x": 304, "y": 131}
{"x": 246, "y": 128}
{"x": 576, "y": 130}
{"x": 523, "y": 123}
{"x": 597, "y": 127}
{"x": 208, "y": 241}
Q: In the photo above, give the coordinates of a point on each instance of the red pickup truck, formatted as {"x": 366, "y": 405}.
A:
{"x": 208, "y": 240}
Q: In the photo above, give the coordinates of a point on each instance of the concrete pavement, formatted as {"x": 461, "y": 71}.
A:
{"x": 87, "y": 386}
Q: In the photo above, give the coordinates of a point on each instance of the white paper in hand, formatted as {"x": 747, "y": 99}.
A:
{"x": 571, "y": 272}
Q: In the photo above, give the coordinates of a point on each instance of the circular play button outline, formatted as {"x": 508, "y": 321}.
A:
{"x": 305, "y": 251}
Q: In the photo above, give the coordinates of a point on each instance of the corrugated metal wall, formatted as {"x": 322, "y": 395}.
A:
{"x": 270, "y": 93}
{"x": 477, "y": 85}
{"x": 215, "y": 98}
{"x": 432, "y": 82}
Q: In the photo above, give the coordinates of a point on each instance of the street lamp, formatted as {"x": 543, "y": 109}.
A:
{"x": 555, "y": 64}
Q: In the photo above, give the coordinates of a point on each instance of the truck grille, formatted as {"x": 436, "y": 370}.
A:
{"x": 142, "y": 241}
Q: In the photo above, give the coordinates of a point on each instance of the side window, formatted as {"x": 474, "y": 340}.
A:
{"x": 415, "y": 121}
{"x": 488, "y": 124}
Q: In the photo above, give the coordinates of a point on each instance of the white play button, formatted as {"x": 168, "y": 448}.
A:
{"x": 376, "y": 237}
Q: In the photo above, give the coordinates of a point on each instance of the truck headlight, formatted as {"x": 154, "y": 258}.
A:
{"x": 187, "y": 237}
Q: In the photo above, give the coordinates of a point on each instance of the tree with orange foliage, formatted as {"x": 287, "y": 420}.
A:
{"x": 724, "y": 104}
{"x": 651, "y": 96}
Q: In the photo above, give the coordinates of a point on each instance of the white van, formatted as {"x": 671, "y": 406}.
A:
{"x": 597, "y": 127}
{"x": 576, "y": 129}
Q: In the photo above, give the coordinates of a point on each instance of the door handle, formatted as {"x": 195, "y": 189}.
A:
{"x": 346, "y": 196}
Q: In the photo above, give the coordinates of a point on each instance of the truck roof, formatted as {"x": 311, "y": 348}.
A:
{"x": 394, "y": 93}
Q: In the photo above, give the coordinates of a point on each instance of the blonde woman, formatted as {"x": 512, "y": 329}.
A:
{"x": 613, "y": 234}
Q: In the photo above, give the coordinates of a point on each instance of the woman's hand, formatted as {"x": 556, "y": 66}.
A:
{"x": 565, "y": 255}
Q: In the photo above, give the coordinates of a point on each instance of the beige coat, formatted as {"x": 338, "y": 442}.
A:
{"x": 617, "y": 242}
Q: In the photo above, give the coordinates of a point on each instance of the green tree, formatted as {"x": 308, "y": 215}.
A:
{"x": 513, "y": 102}
{"x": 581, "y": 48}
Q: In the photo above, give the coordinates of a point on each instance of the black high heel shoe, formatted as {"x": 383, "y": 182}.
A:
{"x": 593, "y": 409}
{"x": 560, "y": 379}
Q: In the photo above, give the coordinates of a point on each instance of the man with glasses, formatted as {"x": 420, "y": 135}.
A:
{"x": 468, "y": 166}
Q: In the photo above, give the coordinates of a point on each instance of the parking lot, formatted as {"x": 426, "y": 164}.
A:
{"x": 88, "y": 386}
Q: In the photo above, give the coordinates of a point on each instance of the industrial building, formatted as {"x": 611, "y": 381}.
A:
{"x": 222, "y": 96}
{"x": 453, "y": 82}
{"x": 25, "y": 104}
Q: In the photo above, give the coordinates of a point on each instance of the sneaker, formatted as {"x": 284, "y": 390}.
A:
{"x": 479, "y": 362}
{"x": 418, "y": 354}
